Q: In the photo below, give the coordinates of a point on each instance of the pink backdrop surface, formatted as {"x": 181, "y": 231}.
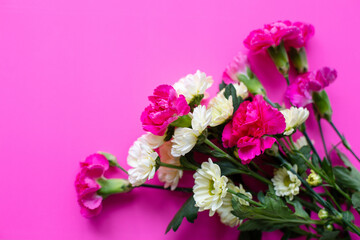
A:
{"x": 75, "y": 76}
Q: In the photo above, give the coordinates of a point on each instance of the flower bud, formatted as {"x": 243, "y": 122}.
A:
{"x": 329, "y": 227}
{"x": 279, "y": 56}
{"x": 299, "y": 60}
{"x": 111, "y": 158}
{"x": 313, "y": 179}
{"x": 322, "y": 105}
{"x": 113, "y": 186}
{"x": 323, "y": 214}
{"x": 252, "y": 83}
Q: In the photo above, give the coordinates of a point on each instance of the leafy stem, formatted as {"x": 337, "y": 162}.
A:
{"x": 237, "y": 163}
{"x": 344, "y": 141}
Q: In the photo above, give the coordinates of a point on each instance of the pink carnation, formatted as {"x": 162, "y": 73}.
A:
{"x": 300, "y": 91}
{"x": 166, "y": 106}
{"x": 236, "y": 67}
{"x": 292, "y": 34}
{"x": 247, "y": 130}
{"x": 306, "y": 32}
{"x": 86, "y": 186}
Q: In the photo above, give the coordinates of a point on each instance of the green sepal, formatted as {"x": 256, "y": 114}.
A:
{"x": 322, "y": 106}
{"x": 253, "y": 84}
{"x": 111, "y": 158}
{"x": 280, "y": 58}
{"x": 113, "y": 186}
{"x": 183, "y": 121}
{"x": 299, "y": 59}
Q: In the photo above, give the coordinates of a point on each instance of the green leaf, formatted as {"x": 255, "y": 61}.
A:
{"x": 315, "y": 160}
{"x": 274, "y": 215}
{"x": 329, "y": 235}
{"x": 347, "y": 178}
{"x": 250, "y": 235}
{"x": 187, "y": 164}
{"x": 306, "y": 150}
{"x": 222, "y": 85}
{"x": 261, "y": 197}
{"x": 183, "y": 121}
{"x": 327, "y": 168}
{"x": 188, "y": 211}
{"x": 169, "y": 133}
{"x": 299, "y": 210}
{"x": 227, "y": 168}
{"x": 355, "y": 199}
{"x": 299, "y": 161}
{"x": 348, "y": 216}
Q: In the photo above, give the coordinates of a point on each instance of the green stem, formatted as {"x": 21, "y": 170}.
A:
{"x": 121, "y": 168}
{"x": 234, "y": 161}
{"x": 286, "y": 76}
{"x": 246, "y": 198}
{"x": 175, "y": 166}
{"x": 310, "y": 144}
{"x": 319, "y": 199}
{"x": 345, "y": 143}
{"x": 179, "y": 189}
{"x": 325, "y": 177}
{"x": 270, "y": 102}
{"x": 323, "y": 139}
{"x": 332, "y": 198}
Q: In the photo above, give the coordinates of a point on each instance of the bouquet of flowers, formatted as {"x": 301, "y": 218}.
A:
{"x": 246, "y": 138}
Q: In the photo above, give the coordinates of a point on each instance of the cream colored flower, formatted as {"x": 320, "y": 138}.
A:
{"x": 169, "y": 176}
{"x": 152, "y": 140}
{"x": 193, "y": 85}
{"x": 201, "y": 118}
{"x": 226, "y": 217}
{"x": 222, "y": 109}
{"x": 241, "y": 90}
{"x": 302, "y": 142}
{"x": 142, "y": 159}
{"x": 286, "y": 183}
{"x": 185, "y": 139}
{"x": 314, "y": 179}
{"x": 294, "y": 117}
{"x": 210, "y": 187}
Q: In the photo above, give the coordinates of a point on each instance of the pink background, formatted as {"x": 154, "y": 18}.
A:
{"x": 75, "y": 76}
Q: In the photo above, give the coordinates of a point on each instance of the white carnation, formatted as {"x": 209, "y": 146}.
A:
{"x": 193, "y": 85}
{"x": 286, "y": 183}
{"x": 169, "y": 176}
{"x": 294, "y": 117}
{"x": 201, "y": 119}
{"x": 152, "y": 140}
{"x": 210, "y": 187}
{"x": 142, "y": 159}
{"x": 184, "y": 140}
{"x": 226, "y": 217}
{"x": 222, "y": 109}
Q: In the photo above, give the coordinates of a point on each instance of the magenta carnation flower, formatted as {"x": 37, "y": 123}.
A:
{"x": 300, "y": 91}
{"x": 250, "y": 127}
{"x": 292, "y": 34}
{"x": 238, "y": 66}
{"x": 86, "y": 186}
{"x": 166, "y": 106}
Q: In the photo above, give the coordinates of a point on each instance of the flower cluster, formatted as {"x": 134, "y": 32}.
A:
{"x": 249, "y": 144}
{"x": 292, "y": 34}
